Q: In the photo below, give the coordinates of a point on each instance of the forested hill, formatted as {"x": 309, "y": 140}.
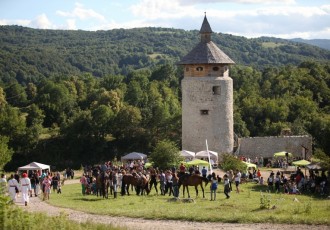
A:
{"x": 26, "y": 52}
{"x": 322, "y": 43}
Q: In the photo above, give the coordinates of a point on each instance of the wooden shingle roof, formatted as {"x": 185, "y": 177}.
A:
{"x": 206, "y": 52}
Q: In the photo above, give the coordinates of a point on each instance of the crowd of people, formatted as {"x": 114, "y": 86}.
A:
{"x": 164, "y": 182}
{"x": 26, "y": 185}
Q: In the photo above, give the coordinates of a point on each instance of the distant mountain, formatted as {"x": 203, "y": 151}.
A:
{"x": 28, "y": 53}
{"x": 322, "y": 43}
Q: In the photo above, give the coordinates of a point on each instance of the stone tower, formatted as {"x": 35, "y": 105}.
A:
{"x": 207, "y": 97}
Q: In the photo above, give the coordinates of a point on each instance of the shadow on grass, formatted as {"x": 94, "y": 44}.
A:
{"x": 89, "y": 199}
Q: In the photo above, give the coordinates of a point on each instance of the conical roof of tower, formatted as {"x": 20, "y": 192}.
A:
{"x": 206, "y": 52}
{"x": 206, "y": 28}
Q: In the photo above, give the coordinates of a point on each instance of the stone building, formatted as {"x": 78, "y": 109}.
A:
{"x": 299, "y": 146}
{"x": 207, "y": 97}
{"x": 207, "y": 107}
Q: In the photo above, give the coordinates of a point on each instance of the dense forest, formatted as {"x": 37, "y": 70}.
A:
{"x": 73, "y": 97}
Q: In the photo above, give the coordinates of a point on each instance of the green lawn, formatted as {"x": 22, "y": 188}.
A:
{"x": 240, "y": 208}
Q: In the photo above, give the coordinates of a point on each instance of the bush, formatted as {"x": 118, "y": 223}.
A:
{"x": 13, "y": 218}
{"x": 230, "y": 162}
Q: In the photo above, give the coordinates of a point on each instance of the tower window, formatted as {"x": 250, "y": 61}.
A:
{"x": 216, "y": 68}
{"x": 204, "y": 112}
{"x": 216, "y": 90}
{"x": 199, "y": 68}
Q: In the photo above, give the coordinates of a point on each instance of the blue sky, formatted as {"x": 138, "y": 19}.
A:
{"x": 248, "y": 18}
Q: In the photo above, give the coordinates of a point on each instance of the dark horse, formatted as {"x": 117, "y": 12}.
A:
{"x": 192, "y": 180}
{"x": 102, "y": 185}
{"x": 139, "y": 182}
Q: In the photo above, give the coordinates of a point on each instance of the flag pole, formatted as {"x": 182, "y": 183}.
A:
{"x": 208, "y": 154}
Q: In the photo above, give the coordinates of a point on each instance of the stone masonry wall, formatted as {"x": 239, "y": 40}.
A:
{"x": 266, "y": 146}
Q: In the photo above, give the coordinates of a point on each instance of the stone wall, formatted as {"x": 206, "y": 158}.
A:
{"x": 266, "y": 146}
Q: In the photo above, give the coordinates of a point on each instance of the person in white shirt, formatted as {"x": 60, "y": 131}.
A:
{"x": 12, "y": 186}
{"x": 238, "y": 180}
{"x": 3, "y": 184}
{"x": 25, "y": 188}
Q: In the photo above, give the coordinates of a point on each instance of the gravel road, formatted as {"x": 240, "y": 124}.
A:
{"x": 37, "y": 205}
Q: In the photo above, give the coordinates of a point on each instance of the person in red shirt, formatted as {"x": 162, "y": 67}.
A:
{"x": 258, "y": 174}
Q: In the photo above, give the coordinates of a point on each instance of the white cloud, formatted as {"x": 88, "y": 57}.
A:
{"x": 151, "y": 9}
{"x": 71, "y": 24}
{"x": 190, "y": 2}
{"x": 41, "y": 22}
{"x": 80, "y": 12}
{"x": 20, "y": 22}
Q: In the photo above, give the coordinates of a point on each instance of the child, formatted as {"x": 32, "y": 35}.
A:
{"x": 227, "y": 186}
{"x": 214, "y": 186}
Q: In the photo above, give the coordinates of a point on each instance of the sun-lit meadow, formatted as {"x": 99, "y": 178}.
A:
{"x": 245, "y": 207}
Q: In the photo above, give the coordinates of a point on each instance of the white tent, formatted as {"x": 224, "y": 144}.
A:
{"x": 203, "y": 154}
{"x": 34, "y": 166}
{"x": 134, "y": 156}
{"x": 187, "y": 154}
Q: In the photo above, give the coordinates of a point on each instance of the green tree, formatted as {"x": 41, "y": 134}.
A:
{"x": 166, "y": 155}
{"x": 5, "y": 152}
{"x": 230, "y": 162}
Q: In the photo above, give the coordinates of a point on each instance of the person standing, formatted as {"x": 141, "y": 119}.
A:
{"x": 169, "y": 182}
{"x": 162, "y": 181}
{"x": 153, "y": 179}
{"x": 83, "y": 182}
{"x": 175, "y": 185}
{"x": 238, "y": 180}
{"x": 230, "y": 176}
{"x": 13, "y": 187}
{"x": 204, "y": 172}
{"x": 46, "y": 184}
{"x": 227, "y": 186}
{"x": 25, "y": 188}
{"x": 214, "y": 186}
{"x": 3, "y": 184}
{"x": 55, "y": 181}
{"x": 115, "y": 182}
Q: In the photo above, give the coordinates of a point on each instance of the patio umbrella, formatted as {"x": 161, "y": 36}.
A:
{"x": 250, "y": 165}
{"x": 282, "y": 154}
{"x": 148, "y": 165}
{"x": 314, "y": 166}
{"x": 301, "y": 163}
{"x": 198, "y": 162}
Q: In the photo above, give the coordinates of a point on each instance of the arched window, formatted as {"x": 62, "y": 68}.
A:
{"x": 215, "y": 68}
{"x": 199, "y": 68}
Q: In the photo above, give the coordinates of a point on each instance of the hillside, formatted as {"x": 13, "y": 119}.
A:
{"x": 322, "y": 43}
{"x": 26, "y": 52}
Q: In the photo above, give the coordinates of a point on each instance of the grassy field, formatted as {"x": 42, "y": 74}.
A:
{"x": 245, "y": 207}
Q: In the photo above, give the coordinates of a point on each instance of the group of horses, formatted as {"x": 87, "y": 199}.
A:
{"x": 141, "y": 183}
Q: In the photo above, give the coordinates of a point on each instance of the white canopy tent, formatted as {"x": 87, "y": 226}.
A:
{"x": 204, "y": 155}
{"x": 34, "y": 166}
{"x": 134, "y": 156}
{"x": 188, "y": 155}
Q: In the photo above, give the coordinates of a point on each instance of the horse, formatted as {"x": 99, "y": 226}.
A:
{"x": 102, "y": 185}
{"x": 192, "y": 180}
{"x": 139, "y": 181}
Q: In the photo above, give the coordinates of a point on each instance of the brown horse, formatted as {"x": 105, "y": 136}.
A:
{"x": 102, "y": 185}
{"x": 139, "y": 181}
{"x": 192, "y": 180}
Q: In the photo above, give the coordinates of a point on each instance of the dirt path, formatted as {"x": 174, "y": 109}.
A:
{"x": 37, "y": 205}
